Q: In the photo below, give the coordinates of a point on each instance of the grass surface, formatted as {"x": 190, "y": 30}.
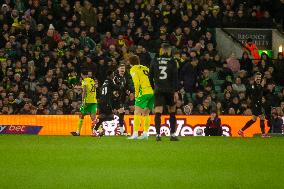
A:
{"x": 114, "y": 162}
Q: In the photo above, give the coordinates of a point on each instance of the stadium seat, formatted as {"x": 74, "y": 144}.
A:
{"x": 278, "y": 89}
{"x": 218, "y": 88}
{"x": 219, "y": 82}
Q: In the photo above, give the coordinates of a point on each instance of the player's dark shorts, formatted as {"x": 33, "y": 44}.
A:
{"x": 105, "y": 112}
{"x": 164, "y": 99}
{"x": 105, "y": 109}
{"x": 257, "y": 109}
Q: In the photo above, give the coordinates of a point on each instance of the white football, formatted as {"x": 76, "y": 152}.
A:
{"x": 199, "y": 132}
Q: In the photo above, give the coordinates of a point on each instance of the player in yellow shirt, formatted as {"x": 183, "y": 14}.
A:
{"x": 89, "y": 101}
{"x": 144, "y": 96}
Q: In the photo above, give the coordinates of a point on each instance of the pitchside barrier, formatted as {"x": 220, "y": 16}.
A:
{"x": 64, "y": 124}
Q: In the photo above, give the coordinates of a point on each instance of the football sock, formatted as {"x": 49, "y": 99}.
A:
{"x": 248, "y": 124}
{"x": 262, "y": 127}
{"x": 79, "y": 126}
{"x": 121, "y": 119}
{"x": 173, "y": 121}
{"x": 99, "y": 123}
{"x": 121, "y": 130}
{"x": 158, "y": 123}
{"x": 146, "y": 123}
{"x": 137, "y": 123}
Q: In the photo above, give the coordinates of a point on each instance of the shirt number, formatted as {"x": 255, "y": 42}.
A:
{"x": 163, "y": 73}
{"x": 93, "y": 89}
{"x": 104, "y": 91}
{"x": 146, "y": 72}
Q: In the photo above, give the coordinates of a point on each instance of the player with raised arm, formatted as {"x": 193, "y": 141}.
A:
{"x": 144, "y": 97}
{"x": 164, "y": 76}
{"x": 105, "y": 103}
{"x": 89, "y": 101}
{"x": 257, "y": 108}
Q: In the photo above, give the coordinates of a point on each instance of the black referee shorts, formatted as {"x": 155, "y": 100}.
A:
{"x": 164, "y": 99}
{"x": 257, "y": 109}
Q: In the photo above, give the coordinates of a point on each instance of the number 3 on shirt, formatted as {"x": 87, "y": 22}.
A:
{"x": 163, "y": 73}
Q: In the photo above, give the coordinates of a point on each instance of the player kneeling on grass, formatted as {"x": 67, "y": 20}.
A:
{"x": 89, "y": 101}
{"x": 144, "y": 97}
{"x": 105, "y": 103}
{"x": 213, "y": 125}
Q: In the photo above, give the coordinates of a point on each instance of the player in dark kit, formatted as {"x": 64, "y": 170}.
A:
{"x": 123, "y": 80}
{"x": 164, "y": 78}
{"x": 105, "y": 103}
{"x": 256, "y": 101}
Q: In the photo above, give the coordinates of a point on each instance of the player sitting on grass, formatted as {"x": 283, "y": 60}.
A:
{"x": 89, "y": 101}
{"x": 144, "y": 98}
{"x": 105, "y": 103}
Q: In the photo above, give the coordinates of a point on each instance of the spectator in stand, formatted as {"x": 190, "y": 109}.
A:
{"x": 205, "y": 80}
{"x": 253, "y": 50}
{"x": 229, "y": 19}
{"x": 264, "y": 63}
{"x": 189, "y": 75}
{"x": 233, "y": 63}
{"x": 246, "y": 63}
{"x": 279, "y": 68}
{"x": 88, "y": 14}
{"x": 275, "y": 123}
{"x": 238, "y": 86}
{"x": 213, "y": 125}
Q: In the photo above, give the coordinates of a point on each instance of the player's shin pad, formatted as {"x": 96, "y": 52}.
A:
{"x": 146, "y": 123}
{"x": 79, "y": 125}
{"x": 173, "y": 121}
{"x": 262, "y": 126}
{"x": 158, "y": 123}
{"x": 137, "y": 123}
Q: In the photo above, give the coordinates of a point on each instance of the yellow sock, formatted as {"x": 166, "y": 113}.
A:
{"x": 79, "y": 126}
{"x": 137, "y": 123}
{"x": 146, "y": 123}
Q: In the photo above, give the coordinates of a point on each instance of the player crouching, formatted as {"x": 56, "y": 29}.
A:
{"x": 105, "y": 103}
{"x": 144, "y": 97}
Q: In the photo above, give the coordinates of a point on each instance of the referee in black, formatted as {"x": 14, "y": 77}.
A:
{"x": 164, "y": 78}
{"x": 256, "y": 94}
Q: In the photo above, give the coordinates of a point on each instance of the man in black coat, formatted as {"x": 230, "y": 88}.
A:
{"x": 276, "y": 123}
{"x": 213, "y": 125}
{"x": 189, "y": 74}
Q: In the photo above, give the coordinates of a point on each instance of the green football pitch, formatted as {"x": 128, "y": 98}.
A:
{"x": 114, "y": 162}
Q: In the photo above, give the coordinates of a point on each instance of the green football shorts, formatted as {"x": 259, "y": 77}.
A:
{"x": 89, "y": 108}
{"x": 145, "y": 101}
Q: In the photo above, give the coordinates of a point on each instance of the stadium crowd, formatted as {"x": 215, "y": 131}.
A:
{"x": 44, "y": 46}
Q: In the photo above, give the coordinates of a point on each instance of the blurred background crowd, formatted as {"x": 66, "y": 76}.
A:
{"x": 44, "y": 46}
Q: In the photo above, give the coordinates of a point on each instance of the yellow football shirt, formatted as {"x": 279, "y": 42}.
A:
{"x": 90, "y": 85}
{"x": 140, "y": 78}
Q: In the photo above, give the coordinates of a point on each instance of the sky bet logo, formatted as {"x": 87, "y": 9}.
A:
{"x": 20, "y": 129}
